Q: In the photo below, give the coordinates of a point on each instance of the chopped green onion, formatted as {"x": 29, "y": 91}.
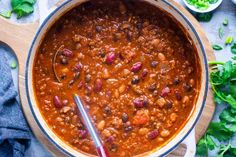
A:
{"x": 216, "y": 47}
{"x": 229, "y": 40}
{"x": 201, "y": 4}
{"x": 221, "y": 32}
{"x": 225, "y": 22}
{"x": 6, "y": 14}
{"x": 13, "y": 64}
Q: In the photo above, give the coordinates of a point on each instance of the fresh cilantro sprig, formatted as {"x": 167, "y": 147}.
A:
{"x": 223, "y": 82}
{"x": 20, "y": 8}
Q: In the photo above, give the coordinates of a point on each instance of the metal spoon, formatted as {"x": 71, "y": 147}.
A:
{"x": 101, "y": 150}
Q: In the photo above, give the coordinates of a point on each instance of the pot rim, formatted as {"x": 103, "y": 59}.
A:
{"x": 179, "y": 140}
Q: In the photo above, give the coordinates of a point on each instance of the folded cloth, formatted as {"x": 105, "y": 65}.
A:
{"x": 14, "y": 131}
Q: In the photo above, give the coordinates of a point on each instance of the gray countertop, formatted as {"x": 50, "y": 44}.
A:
{"x": 226, "y": 10}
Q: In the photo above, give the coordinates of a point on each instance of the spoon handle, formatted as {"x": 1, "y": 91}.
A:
{"x": 101, "y": 150}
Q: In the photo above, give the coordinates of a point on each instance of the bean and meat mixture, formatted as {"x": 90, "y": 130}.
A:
{"x": 134, "y": 68}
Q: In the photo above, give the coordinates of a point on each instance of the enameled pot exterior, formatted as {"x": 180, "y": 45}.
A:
{"x": 166, "y": 5}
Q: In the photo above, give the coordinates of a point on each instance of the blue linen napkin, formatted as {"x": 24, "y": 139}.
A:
{"x": 14, "y": 131}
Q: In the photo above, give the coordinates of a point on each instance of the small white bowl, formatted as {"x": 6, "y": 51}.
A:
{"x": 211, "y": 7}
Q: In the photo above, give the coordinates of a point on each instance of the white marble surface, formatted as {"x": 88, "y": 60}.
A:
{"x": 226, "y": 10}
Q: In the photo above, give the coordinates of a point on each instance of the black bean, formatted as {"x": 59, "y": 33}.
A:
{"x": 64, "y": 61}
{"x": 152, "y": 87}
{"x": 176, "y": 81}
{"x": 178, "y": 96}
{"x": 155, "y": 93}
{"x": 76, "y": 75}
{"x": 124, "y": 117}
{"x": 169, "y": 105}
{"x": 88, "y": 78}
{"x": 129, "y": 36}
{"x": 187, "y": 87}
{"x": 113, "y": 147}
{"x": 63, "y": 76}
{"x": 98, "y": 29}
{"x": 154, "y": 64}
{"x": 107, "y": 110}
{"x": 135, "y": 80}
{"x": 71, "y": 82}
{"x": 128, "y": 128}
{"x": 139, "y": 25}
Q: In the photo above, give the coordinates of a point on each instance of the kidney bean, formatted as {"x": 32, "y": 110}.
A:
{"x": 88, "y": 90}
{"x": 98, "y": 85}
{"x": 152, "y": 135}
{"x": 165, "y": 91}
{"x": 57, "y": 102}
{"x": 83, "y": 133}
{"x": 144, "y": 73}
{"x": 67, "y": 53}
{"x": 136, "y": 67}
{"x": 78, "y": 66}
{"x": 124, "y": 117}
{"x": 80, "y": 85}
{"x": 140, "y": 102}
{"x": 110, "y": 57}
{"x": 110, "y": 139}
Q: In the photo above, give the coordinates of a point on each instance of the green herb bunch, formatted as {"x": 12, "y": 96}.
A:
{"x": 20, "y": 8}
{"x": 223, "y": 83}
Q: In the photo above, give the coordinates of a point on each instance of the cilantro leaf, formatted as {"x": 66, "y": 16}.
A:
{"x": 227, "y": 116}
{"x": 233, "y": 49}
{"x": 234, "y": 57}
{"x": 204, "y": 17}
{"x": 22, "y": 7}
{"x": 227, "y": 151}
{"x": 219, "y": 131}
{"x": 204, "y": 144}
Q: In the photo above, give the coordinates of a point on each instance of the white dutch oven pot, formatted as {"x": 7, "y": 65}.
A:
{"x": 186, "y": 135}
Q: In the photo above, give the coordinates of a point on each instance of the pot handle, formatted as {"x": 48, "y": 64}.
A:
{"x": 190, "y": 143}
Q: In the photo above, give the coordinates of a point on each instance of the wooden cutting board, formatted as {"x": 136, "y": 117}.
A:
{"x": 19, "y": 37}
